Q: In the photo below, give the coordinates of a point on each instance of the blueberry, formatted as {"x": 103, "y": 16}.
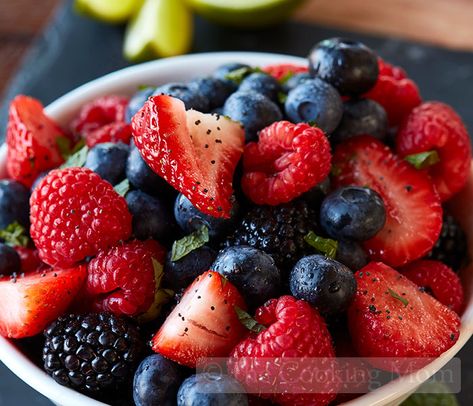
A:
{"x": 351, "y": 254}
{"x": 324, "y": 283}
{"x": 180, "y": 274}
{"x": 40, "y": 177}
{"x": 156, "y": 382}
{"x": 137, "y": 101}
{"x": 253, "y": 110}
{"x": 211, "y": 389}
{"x": 353, "y": 213}
{"x": 316, "y": 195}
{"x": 14, "y": 204}
{"x": 295, "y": 80}
{"x": 348, "y": 65}
{"x": 216, "y": 91}
{"x": 222, "y": 71}
{"x": 192, "y": 98}
{"x": 261, "y": 83}
{"x": 363, "y": 116}
{"x": 191, "y": 219}
{"x": 9, "y": 260}
{"x": 151, "y": 217}
{"x": 108, "y": 160}
{"x": 315, "y": 101}
{"x": 253, "y": 272}
{"x": 142, "y": 177}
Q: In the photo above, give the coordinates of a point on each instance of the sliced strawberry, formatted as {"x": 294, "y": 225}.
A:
{"x": 413, "y": 209}
{"x": 203, "y": 324}
{"x": 284, "y": 70}
{"x": 436, "y": 126}
{"x": 391, "y": 318}
{"x": 194, "y": 152}
{"x": 437, "y": 279}
{"x": 33, "y": 300}
{"x": 287, "y": 161}
{"x": 32, "y": 140}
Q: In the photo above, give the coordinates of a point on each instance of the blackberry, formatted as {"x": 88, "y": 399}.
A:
{"x": 93, "y": 352}
{"x": 277, "y": 230}
{"x": 451, "y": 247}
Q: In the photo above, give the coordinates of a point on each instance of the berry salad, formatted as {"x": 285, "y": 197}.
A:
{"x": 257, "y": 215}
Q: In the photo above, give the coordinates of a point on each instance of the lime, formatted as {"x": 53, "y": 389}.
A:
{"x": 244, "y": 13}
{"x": 110, "y": 11}
{"x": 160, "y": 28}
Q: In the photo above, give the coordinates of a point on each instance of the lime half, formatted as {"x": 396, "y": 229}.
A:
{"x": 245, "y": 12}
{"x": 110, "y": 11}
{"x": 161, "y": 28}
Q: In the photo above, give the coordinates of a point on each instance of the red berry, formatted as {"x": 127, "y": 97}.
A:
{"x": 288, "y": 160}
{"x": 76, "y": 214}
{"x": 33, "y": 300}
{"x": 391, "y": 318}
{"x": 203, "y": 324}
{"x": 98, "y": 113}
{"x": 30, "y": 259}
{"x": 122, "y": 280}
{"x": 113, "y": 132}
{"x": 32, "y": 140}
{"x": 195, "y": 153}
{"x": 413, "y": 209}
{"x": 283, "y": 70}
{"x": 395, "y": 92}
{"x": 436, "y": 126}
{"x": 294, "y": 331}
{"x": 437, "y": 279}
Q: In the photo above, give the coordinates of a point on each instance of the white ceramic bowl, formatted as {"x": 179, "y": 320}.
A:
{"x": 184, "y": 68}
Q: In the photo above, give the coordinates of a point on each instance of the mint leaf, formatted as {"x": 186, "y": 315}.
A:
{"x": 249, "y": 322}
{"x": 288, "y": 75}
{"x": 326, "y": 246}
{"x": 77, "y": 159}
{"x": 403, "y": 300}
{"x": 143, "y": 87}
{"x": 434, "y": 394}
{"x": 64, "y": 146}
{"x": 424, "y": 159}
{"x": 15, "y": 235}
{"x": 239, "y": 74}
{"x": 189, "y": 243}
{"x": 282, "y": 97}
{"x": 123, "y": 187}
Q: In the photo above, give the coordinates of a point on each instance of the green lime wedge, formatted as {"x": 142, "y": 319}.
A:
{"x": 109, "y": 11}
{"x": 244, "y": 13}
{"x": 161, "y": 28}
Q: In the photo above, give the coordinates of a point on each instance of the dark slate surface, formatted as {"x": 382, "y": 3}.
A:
{"x": 74, "y": 50}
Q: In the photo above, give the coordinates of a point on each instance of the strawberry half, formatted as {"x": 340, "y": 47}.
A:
{"x": 195, "y": 153}
{"x": 284, "y": 70}
{"x": 203, "y": 324}
{"x": 30, "y": 302}
{"x": 413, "y": 209}
{"x": 391, "y": 318}
{"x": 32, "y": 140}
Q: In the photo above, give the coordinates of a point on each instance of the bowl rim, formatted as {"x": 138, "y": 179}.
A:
{"x": 123, "y": 81}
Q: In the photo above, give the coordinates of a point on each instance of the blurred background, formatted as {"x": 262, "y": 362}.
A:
{"x": 48, "y": 47}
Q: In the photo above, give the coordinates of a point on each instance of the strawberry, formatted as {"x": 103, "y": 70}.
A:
{"x": 33, "y": 300}
{"x": 287, "y": 161}
{"x": 194, "y": 152}
{"x": 284, "y": 70}
{"x": 391, "y": 318}
{"x": 437, "y": 279}
{"x": 434, "y": 126}
{"x": 413, "y": 209}
{"x": 32, "y": 139}
{"x": 113, "y": 132}
{"x": 203, "y": 324}
{"x": 30, "y": 259}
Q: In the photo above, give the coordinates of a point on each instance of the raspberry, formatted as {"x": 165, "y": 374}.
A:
{"x": 75, "y": 214}
{"x": 279, "y": 231}
{"x": 113, "y": 132}
{"x": 284, "y": 70}
{"x": 395, "y": 92}
{"x": 293, "y": 330}
{"x": 436, "y": 126}
{"x": 437, "y": 279}
{"x": 288, "y": 160}
{"x": 122, "y": 280}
